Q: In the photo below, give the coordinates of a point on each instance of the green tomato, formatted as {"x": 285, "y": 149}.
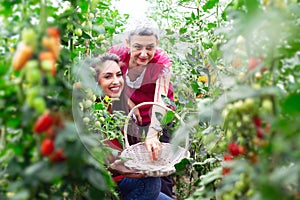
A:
{"x": 31, "y": 64}
{"x": 39, "y": 105}
{"x": 239, "y": 185}
{"x": 70, "y": 26}
{"x": 46, "y": 65}
{"x": 29, "y": 37}
{"x": 33, "y": 76}
{"x": 267, "y": 105}
{"x": 87, "y": 25}
{"x": 86, "y": 120}
{"x": 31, "y": 93}
{"x": 97, "y": 124}
{"x": 87, "y": 103}
{"x": 78, "y": 32}
{"x": 250, "y": 193}
{"x": 102, "y": 119}
{"x": 100, "y": 38}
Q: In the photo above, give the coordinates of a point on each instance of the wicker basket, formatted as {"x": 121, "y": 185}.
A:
{"x": 137, "y": 157}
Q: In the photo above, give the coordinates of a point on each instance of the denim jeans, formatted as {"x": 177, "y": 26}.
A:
{"x": 141, "y": 189}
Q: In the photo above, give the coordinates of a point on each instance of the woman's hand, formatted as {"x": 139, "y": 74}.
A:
{"x": 118, "y": 166}
{"x": 136, "y": 112}
{"x": 153, "y": 145}
{"x": 138, "y": 117}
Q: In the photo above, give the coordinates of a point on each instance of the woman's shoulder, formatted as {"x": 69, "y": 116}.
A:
{"x": 162, "y": 58}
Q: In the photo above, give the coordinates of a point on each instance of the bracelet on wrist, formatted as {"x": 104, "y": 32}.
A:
{"x": 158, "y": 128}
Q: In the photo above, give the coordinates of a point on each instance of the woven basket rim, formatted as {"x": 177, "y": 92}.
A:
{"x": 155, "y": 168}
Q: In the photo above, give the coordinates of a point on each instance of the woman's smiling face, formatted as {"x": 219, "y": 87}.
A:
{"x": 111, "y": 79}
{"x": 142, "y": 48}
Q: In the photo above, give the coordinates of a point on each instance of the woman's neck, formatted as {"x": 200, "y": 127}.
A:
{"x": 134, "y": 73}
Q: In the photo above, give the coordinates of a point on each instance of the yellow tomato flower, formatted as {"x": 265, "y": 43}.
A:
{"x": 106, "y": 98}
{"x": 203, "y": 79}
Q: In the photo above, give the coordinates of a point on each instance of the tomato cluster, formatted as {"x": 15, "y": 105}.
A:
{"x": 35, "y": 59}
{"x": 247, "y": 129}
{"x": 49, "y": 123}
{"x": 28, "y": 46}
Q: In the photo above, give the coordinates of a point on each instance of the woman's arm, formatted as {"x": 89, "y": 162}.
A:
{"x": 152, "y": 142}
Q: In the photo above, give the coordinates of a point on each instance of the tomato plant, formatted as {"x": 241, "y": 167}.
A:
{"x": 39, "y": 47}
{"x": 246, "y": 60}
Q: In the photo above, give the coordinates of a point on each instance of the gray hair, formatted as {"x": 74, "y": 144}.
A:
{"x": 142, "y": 27}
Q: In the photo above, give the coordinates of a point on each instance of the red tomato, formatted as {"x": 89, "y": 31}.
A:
{"x": 257, "y": 121}
{"x": 57, "y": 156}
{"x": 228, "y": 157}
{"x": 53, "y": 32}
{"x": 47, "y": 147}
{"x": 43, "y": 123}
{"x": 234, "y": 149}
{"x": 242, "y": 150}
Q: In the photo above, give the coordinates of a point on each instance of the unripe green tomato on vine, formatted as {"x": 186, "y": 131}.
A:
{"x": 87, "y": 25}
{"x": 46, "y": 65}
{"x": 246, "y": 119}
{"x": 267, "y": 105}
{"x": 31, "y": 93}
{"x": 100, "y": 38}
{"x": 250, "y": 193}
{"x": 78, "y": 32}
{"x": 70, "y": 26}
{"x": 239, "y": 185}
{"x": 29, "y": 37}
{"x": 87, "y": 104}
{"x": 31, "y": 64}
{"x": 39, "y": 104}
{"x": 101, "y": 119}
{"x": 97, "y": 124}
{"x": 33, "y": 76}
{"x": 86, "y": 120}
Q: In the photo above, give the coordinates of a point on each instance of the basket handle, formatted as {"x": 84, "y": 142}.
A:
{"x": 150, "y": 103}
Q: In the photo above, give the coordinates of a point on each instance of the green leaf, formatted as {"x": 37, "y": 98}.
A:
{"x": 35, "y": 168}
{"x": 96, "y": 179}
{"x": 13, "y": 122}
{"x": 291, "y": 104}
{"x": 211, "y": 25}
{"x": 211, "y": 176}
{"x": 210, "y": 4}
{"x": 52, "y": 172}
{"x": 182, "y": 30}
{"x": 99, "y": 106}
{"x": 167, "y": 101}
{"x": 181, "y": 166}
{"x": 168, "y": 117}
